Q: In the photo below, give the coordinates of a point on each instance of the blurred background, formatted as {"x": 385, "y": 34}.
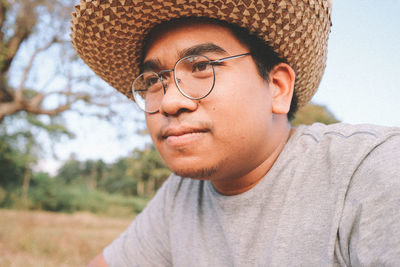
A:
{"x": 76, "y": 164}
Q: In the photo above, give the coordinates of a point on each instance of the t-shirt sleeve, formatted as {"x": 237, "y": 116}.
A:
{"x": 146, "y": 241}
{"x": 370, "y": 228}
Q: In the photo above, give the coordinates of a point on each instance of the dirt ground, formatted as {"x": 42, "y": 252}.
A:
{"x": 41, "y": 239}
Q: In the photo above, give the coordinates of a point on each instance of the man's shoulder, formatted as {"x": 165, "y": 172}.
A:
{"x": 340, "y": 147}
{"x": 371, "y": 209}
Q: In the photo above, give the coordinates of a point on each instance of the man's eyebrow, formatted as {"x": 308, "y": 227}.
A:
{"x": 155, "y": 64}
{"x": 201, "y": 49}
{"x": 150, "y": 65}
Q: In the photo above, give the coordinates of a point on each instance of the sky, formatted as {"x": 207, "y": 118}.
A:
{"x": 360, "y": 84}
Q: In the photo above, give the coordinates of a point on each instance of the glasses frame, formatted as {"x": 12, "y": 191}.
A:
{"x": 177, "y": 81}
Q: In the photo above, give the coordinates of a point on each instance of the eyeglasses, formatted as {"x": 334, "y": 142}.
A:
{"x": 194, "y": 77}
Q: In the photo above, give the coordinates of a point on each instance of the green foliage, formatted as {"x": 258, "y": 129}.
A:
{"x": 313, "y": 113}
{"x": 49, "y": 194}
{"x": 12, "y": 166}
{"x": 20, "y": 148}
{"x": 3, "y": 195}
{"x": 53, "y": 128}
{"x": 140, "y": 174}
{"x": 70, "y": 172}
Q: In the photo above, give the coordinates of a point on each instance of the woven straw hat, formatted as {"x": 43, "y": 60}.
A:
{"x": 108, "y": 34}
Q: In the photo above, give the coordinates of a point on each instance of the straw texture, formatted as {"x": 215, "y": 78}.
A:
{"x": 108, "y": 34}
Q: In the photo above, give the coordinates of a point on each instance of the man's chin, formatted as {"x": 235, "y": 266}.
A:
{"x": 200, "y": 173}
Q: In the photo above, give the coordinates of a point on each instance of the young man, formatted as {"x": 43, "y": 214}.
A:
{"x": 219, "y": 81}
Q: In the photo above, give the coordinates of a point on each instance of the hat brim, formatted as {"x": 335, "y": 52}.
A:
{"x": 108, "y": 34}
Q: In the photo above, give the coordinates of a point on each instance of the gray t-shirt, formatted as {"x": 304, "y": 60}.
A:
{"x": 332, "y": 198}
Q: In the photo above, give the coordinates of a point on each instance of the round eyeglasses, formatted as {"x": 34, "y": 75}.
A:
{"x": 194, "y": 77}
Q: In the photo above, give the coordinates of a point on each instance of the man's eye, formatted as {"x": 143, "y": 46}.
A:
{"x": 201, "y": 66}
{"x": 150, "y": 81}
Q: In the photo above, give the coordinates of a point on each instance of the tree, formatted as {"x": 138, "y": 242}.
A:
{"x": 15, "y": 165}
{"x": 311, "y": 113}
{"x": 139, "y": 174}
{"x": 39, "y": 71}
{"x": 12, "y": 165}
{"x": 148, "y": 170}
{"x": 71, "y": 171}
{"x": 41, "y": 79}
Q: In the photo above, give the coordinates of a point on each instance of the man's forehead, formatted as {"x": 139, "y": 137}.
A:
{"x": 202, "y": 27}
{"x": 168, "y": 26}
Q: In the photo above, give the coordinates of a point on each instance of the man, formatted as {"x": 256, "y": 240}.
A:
{"x": 219, "y": 82}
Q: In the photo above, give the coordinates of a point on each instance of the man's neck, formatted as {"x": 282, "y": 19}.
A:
{"x": 244, "y": 183}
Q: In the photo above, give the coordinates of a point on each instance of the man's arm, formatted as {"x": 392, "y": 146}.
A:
{"x": 98, "y": 261}
{"x": 369, "y": 232}
{"x": 146, "y": 241}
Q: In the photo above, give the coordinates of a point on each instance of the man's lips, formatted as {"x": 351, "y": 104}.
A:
{"x": 178, "y": 136}
{"x": 171, "y": 132}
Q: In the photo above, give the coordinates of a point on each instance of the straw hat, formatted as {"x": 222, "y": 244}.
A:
{"x": 108, "y": 34}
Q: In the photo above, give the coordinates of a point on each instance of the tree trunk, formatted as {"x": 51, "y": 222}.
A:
{"x": 151, "y": 183}
{"x": 140, "y": 188}
{"x": 26, "y": 183}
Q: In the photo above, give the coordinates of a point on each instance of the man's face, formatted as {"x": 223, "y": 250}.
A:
{"x": 225, "y": 135}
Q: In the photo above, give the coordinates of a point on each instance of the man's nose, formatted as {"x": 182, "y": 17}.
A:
{"x": 174, "y": 102}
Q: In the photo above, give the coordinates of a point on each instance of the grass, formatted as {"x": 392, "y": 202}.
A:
{"x": 41, "y": 239}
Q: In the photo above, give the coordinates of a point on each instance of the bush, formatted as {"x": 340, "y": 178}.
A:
{"x": 49, "y": 194}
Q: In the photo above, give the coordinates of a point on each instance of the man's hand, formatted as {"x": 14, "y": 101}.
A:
{"x": 98, "y": 261}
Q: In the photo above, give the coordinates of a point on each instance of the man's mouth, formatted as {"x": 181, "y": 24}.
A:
{"x": 182, "y": 135}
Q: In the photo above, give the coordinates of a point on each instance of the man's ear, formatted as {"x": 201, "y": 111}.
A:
{"x": 281, "y": 82}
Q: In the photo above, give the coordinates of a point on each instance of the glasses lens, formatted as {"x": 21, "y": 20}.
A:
{"x": 195, "y": 76}
{"x": 148, "y": 91}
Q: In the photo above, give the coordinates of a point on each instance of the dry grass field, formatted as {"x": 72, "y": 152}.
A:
{"x": 41, "y": 239}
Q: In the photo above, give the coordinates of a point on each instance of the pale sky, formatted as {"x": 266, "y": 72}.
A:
{"x": 360, "y": 84}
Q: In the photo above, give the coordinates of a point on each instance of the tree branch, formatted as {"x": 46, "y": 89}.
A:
{"x": 34, "y": 104}
{"x": 9, "y": 108}
{"x": 3, "y": 11}
{"x": 25, "y": 22}
{"x": 4, "y": 94}
{"x": 18, "y": 22}
{"x": 19, "y": 95}
{"x": 50, "y": 112}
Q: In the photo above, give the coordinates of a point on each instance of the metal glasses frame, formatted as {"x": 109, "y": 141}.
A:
{"x": 177, "y": 81}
